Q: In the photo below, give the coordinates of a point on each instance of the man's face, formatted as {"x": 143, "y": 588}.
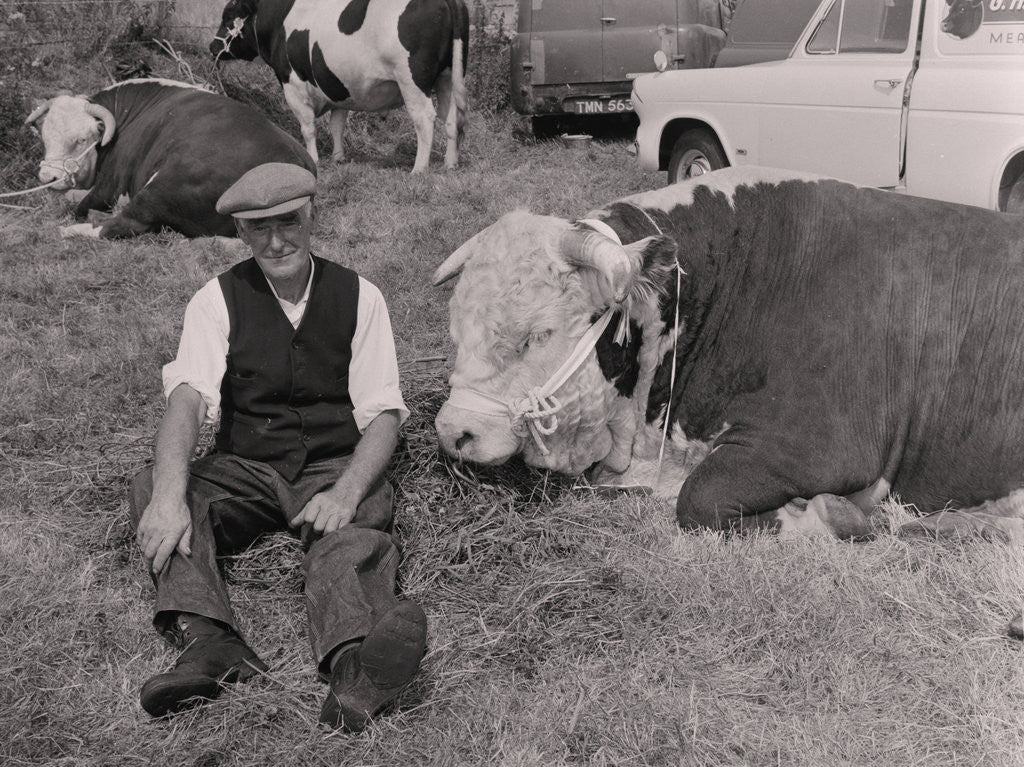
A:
{"x": 280, "y": 244}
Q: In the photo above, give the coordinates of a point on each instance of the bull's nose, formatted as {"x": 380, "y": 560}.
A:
{"x": 48, "y": 175}
{"x": 455, "y": 442}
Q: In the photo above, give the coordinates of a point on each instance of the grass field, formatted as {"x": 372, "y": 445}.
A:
{"x": 565, "y": 627}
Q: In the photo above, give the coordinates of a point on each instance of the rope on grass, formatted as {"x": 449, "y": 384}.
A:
{"x": 27, "y": 191}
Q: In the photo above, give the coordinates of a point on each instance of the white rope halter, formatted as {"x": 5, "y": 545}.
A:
{"x": 229, "y": 35}
{"x": 537, "y": 412}
{"x": 68, "y": 165}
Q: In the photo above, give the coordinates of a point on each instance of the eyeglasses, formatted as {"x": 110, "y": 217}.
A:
{"x": 261, "y": 230}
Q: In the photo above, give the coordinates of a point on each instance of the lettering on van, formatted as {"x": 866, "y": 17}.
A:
{"x": 1006, "y": 38}
{"x": 981, "y": 26}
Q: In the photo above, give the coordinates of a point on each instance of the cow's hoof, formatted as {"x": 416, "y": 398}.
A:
{"x": 825, "y": 515}
{"x": 842, "y": 516}
{"x": 1016, "y": 627}
{"x": 80, "y": 230}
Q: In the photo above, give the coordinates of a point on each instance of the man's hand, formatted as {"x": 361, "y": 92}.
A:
{"x": 324, "y": 513}
{"x": 164, "y": 527}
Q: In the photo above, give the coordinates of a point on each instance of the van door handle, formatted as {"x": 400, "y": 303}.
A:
{"x": 608, "y": 20}
{"x": 890, "y": 84}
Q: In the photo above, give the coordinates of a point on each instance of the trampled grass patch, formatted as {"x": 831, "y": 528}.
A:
{"x": 566, "y": 627}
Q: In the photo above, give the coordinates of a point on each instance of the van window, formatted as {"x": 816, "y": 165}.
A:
{"x": 770, "y": 21}
{"x": 879, "y": 26}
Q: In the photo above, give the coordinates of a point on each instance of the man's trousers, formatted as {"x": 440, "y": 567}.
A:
{"x": 349, "y": 573}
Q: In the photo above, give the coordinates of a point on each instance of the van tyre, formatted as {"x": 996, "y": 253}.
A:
{"x": 695, "y": 153}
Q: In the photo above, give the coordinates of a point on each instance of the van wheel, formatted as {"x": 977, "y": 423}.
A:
{"x": 695, "y": 153}
{"x": 1015, "y": 200}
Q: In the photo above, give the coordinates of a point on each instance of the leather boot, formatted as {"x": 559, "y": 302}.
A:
{"x": 369, "y": 676}
{"x": 212, "y": 656}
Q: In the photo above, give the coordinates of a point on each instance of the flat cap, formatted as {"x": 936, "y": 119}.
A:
{"x": 268, "y": 190}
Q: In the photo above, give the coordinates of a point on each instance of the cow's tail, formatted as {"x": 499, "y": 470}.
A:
{"x": 460, "y": 57}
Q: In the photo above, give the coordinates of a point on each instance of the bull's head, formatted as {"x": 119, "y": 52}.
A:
{"x": 531, "y": 287}
{"x": 236, "y": 35}
{"x": 964, "y": 18}
{"x": 71, "y": 128}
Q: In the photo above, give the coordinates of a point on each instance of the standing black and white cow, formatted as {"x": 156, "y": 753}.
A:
{"x": 341, "y": 55}
{"x": 171, "y": 148}
{"x": 831, "y": 345}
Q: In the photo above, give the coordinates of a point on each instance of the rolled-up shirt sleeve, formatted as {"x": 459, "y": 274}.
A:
{"x": 203, "y": 348}
{"x": 373, "y": 372}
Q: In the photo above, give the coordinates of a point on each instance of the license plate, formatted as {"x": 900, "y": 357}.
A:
{"x": 599, "y": 106}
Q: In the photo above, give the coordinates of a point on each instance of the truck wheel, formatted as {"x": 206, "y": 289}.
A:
{"x": 695, "y": 153}
{"x": 1015, "y": 200}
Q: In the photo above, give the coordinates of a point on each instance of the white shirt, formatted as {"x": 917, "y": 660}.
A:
{"x": 372, "y": 372}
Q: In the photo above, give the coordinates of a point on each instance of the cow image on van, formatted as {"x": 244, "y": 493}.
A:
{"x": 825, "y": 345}
{"x": 171, "y": 148}
{"x": 964, "y": 18}
{"x": 341, "y": 55}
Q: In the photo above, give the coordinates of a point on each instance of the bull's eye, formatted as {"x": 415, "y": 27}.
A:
{"x": 537, "y": 338}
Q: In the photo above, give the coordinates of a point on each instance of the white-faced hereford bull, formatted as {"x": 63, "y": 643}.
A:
{"x": 171, "y": 148}
{"x": 833, "y": 344}
{"x": 340, "y": 55}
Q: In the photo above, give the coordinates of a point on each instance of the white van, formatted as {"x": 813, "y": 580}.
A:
{"x": 921, "y": 96}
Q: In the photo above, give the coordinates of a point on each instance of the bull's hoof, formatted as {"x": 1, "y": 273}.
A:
{"x": 1016, "y": 627}
{"x": 825, "y": 515}
{"x": 842, "y": 516}
{"x": 80, "y": 230}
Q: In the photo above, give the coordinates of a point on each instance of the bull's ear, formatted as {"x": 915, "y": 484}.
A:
{"x": 657, "y": 260}
{"x": 454, "y": 263}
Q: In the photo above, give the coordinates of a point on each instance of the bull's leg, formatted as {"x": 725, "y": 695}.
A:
{"x": 734, "y": 489}
{"x": 297, "y": 98}
{"x": 92, "y": 200}
{"x": 125, "y": 224}
{"x": 447, "y": 106}
{"x": 114, "y": 227}
{"x": 999, "y": 520}
{"x": 339, "y": 118}
{"x": 421, "y": 110}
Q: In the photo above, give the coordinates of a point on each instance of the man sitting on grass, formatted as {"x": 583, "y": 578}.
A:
{"x": 295, "y": 355}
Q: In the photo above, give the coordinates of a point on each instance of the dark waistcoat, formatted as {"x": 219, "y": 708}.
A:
{"x": 284, "y": 397}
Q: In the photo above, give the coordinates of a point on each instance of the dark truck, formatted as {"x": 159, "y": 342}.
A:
{"x": 579, "y": 56}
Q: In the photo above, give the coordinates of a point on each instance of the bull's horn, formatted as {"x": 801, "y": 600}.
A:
{"x": 454, "y": 263}
{"x": 38, "y": 112}
{"x": 106, "y": 117}
{"x": 590, "y": 249}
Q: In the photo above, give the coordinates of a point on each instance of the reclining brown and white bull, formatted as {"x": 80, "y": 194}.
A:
{"x": 824, "y": 345}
